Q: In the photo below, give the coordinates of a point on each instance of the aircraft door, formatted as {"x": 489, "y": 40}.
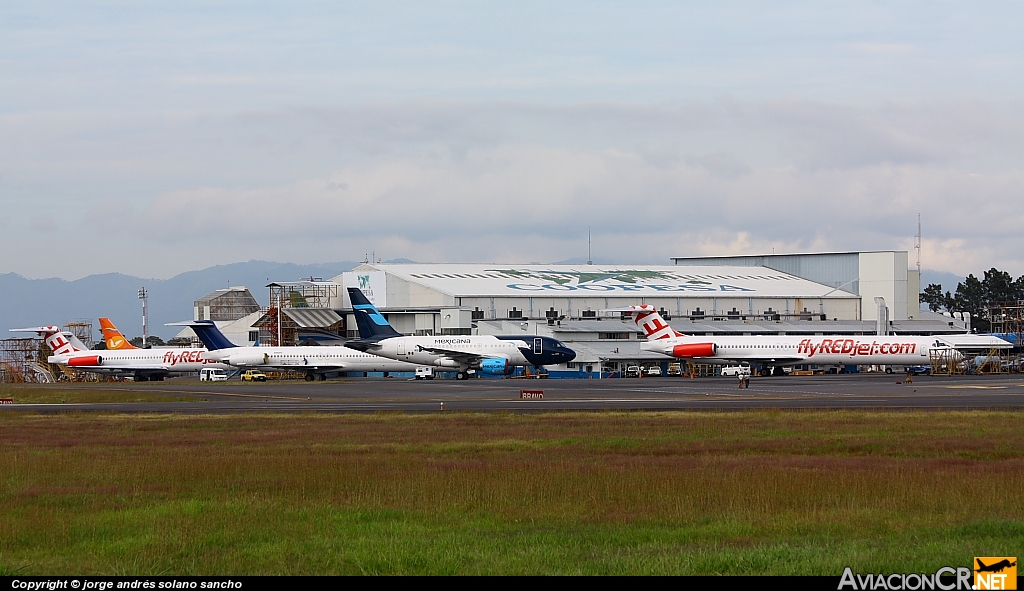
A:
{"x": 538, "y": 346}
{"x": 401, "y": 347}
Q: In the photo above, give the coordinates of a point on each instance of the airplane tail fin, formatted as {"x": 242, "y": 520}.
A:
{"x": 57, "y": 339}
{"x": 208, "y": 333}
{"x": 650, "y": 321}
{"x": 370, "y": 322}
{"x": 113, "y": 337}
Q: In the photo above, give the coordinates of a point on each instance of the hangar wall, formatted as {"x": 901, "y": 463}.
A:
{"x": 867, "y": 274}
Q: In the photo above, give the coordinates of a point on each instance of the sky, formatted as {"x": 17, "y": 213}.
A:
{"x": 156, "y": 138}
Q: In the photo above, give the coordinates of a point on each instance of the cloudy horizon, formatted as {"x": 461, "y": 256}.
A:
{"x": 166, "y": 138}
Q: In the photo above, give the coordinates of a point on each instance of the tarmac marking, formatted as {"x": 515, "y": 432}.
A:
{"x": 179, "y": 392}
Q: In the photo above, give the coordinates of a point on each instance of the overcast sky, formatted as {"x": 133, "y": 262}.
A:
{"x": 157, "y": 139}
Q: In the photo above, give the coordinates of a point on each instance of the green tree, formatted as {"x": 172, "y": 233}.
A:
{"x": 936, "y": 300}
{"x": 999, "y": 287}
{"x": 970, "y": 297}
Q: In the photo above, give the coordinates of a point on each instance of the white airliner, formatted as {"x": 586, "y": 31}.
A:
{"x": 778, "y": 351}
{"x": 141, "y": 364}
{"x": 491, "y": 354}
{"x": 315, "y": 362}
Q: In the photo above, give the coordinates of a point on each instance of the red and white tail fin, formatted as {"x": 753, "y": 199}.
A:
{"x": 654, "y": 326}
{"x": 113, "y": 337}
{"x": 57, "y": 339}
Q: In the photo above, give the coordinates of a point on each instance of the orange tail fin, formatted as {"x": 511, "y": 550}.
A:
{"x": 113, "y": 337}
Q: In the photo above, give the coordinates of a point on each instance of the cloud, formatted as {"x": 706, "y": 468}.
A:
{"x": 503, "y": 181}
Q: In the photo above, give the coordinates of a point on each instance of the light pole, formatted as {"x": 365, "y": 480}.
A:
{"x": 144, "y": 296}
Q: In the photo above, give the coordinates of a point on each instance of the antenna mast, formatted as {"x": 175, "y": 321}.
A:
{"x": 590, "y": 259}
{"x": 917, "y": 244}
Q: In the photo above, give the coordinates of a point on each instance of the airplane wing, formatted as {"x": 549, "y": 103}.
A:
{"x": 461, "y": 356}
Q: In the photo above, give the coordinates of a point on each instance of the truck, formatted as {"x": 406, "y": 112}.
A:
{"x": 253, "y": 375}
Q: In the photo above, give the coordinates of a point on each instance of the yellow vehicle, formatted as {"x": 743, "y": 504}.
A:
{"x": 253, "y": 375}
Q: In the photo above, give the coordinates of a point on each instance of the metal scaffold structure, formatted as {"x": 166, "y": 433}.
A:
{"x": 82, "y": 329}
{"x": 947, "y": 362}
{"x": 24, "y": 360}
{"x": 1007, "y": 320}
{"x": 296, "y": 306}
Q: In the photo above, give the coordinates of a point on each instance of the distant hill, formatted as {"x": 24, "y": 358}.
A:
{"x": 948, "y": 281}
{"x": 35, "y": 302}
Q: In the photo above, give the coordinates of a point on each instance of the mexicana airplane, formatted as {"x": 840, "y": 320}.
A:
{"x": 315, "y": 362}
{"x": 142, "y": 364}
{"x": 490, "y": 354}
{"x": 778, "y": 351}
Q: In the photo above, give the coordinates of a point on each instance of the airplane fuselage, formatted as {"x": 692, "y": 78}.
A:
{"x": 455, "y": 352}
{"x": 330, "y": 358}
{"x": 154, "y": 362}
{"x": 793, "y": 350}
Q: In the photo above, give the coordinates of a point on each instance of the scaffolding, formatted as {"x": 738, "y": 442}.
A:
{"x": 278, "y": 328}
{"x": 82, "y": 329}
{"x": 947, "y": 362}
{"x": 24, "y": 360}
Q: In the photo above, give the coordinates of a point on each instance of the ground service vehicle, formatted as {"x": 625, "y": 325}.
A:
{"x": 633, "y": 371}
{"x": 213, "y": 374}
{"x": 735, "y": 370}
{"x": 254, "y": 375}
{"x": 424, "y": 373}
{"x": 654, "y": 371}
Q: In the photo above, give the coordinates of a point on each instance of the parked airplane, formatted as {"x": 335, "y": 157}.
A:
{"x": 112, "y": 337}
{"x": 777, "y": 351}
{"x": 490, "y": 354}
{"x": 313, "y": 361}
{"x": 141, "y": 364}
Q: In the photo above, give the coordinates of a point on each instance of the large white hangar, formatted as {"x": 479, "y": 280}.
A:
{"x": 807, "y": 295}
{"x": 450, "y": 298}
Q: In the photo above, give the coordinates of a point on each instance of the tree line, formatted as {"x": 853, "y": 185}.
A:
{"x": 976, "y": 296}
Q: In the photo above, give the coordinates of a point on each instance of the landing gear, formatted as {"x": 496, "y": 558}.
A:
{"x": 462, "y": 376}
{"x": 310, "y": 377}
{"x": 323, "y": 377}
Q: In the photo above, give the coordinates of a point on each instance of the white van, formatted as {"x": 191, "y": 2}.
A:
{"x": 735, "y": 370}
{"x": 212, "y": 374}
{"x": 424, "y": 373}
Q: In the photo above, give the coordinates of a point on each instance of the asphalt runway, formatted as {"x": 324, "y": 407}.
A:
{"x": 482, "y": 395}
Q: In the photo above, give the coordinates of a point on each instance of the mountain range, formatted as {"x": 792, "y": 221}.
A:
{"x": 40, "y": 302}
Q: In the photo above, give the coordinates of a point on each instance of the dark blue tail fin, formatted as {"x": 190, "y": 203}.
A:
{"x": 370, "y": 322}
{"x": 211, "y": 336}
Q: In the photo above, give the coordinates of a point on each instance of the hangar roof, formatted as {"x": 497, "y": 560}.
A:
{"x": 469, "y": 280}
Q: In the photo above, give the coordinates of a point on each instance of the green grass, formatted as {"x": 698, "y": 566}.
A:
{"x": 85, "y": 393}
{"x": 604, "y": 493}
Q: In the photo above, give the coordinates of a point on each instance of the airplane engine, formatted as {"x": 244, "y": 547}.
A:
{"x": 249, "y": 360}
{"x": 91, "y": 360}
{"x": 494, "y": 366}
{"x": 443, "y": 362}
{"x": 695, "y": 350}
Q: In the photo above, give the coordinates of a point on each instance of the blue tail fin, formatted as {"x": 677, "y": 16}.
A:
{"x": 211, "y": 336}
{"x": 370, "y": 322}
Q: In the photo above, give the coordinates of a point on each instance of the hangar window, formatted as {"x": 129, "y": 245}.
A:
{"x": 613, "y": 336}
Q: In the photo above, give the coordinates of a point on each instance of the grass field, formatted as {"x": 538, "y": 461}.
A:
{"x": 601, "y": 493}
{"x": 84, "y": 393}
